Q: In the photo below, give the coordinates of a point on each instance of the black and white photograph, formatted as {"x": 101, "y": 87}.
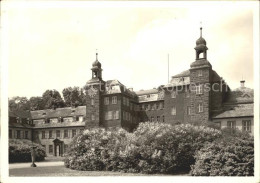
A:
{"x": 112, "y": 91}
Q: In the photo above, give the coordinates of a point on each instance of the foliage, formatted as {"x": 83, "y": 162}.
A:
{"x": 74, "y": 96}
{"x": 20, "y": 151}
{"x": 152, "y": 148}
{"x": 36, "y": 103}
{"x": 226, "y": 157}
{"x": 52, "y": 99}
{"x": 18, "y": 103}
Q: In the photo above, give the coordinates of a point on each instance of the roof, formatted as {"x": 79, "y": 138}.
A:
{"x": 19, "y": 113}
{"x": 59, "y": 112}
{"x": 182, "y": 74}
{"x": 63, "y": 124}
{"x": 146, "y": 92}
{"x": 114, "y": 86}
{"x": 19, "y": 125}
{"x": 240, "y": 95}
{"x": 240, "y": 110}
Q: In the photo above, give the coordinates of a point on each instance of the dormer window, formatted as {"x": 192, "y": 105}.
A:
{"x": 73, "y": 110}
{"x": 181, "y": 79}
{"x": 44, "y": 113}
{"x": 148, "y": 96}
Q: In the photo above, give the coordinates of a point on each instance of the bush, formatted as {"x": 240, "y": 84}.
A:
{"x": 152, "y": 148}
{"x": 20, "y": 151}
{"x": 228, "y": 157}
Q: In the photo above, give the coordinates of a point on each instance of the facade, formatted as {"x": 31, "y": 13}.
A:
{"x": 196, "y": 96}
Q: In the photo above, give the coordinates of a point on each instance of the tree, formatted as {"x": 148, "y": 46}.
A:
{"x": 36, "y": 103}
{"x": 74, "y": 96}
{"x": 52, "y": 99}
{"x": 18, "y": 103}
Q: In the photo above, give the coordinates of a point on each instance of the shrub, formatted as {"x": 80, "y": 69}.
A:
{"x": 226, "y": 157}
{"x": 20, "y": 151}
{"x": 152, "y": 148}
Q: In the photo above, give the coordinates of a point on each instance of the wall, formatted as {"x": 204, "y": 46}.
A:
{"x": 239, "y": 124}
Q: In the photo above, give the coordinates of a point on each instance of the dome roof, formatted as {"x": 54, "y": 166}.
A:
{"x": 201, "y": 40}
{"x": 96, "y": 64}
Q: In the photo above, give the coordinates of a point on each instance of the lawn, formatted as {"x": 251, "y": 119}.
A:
{"x": 58, "y": 171}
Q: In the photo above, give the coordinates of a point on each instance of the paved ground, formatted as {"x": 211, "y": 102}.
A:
{"x": 51, "y": 167}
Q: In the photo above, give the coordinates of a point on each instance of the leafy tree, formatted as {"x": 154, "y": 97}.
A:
{"x": 18, "y": 103}
{"x": 52, "y": 99}
{"x": 36, "y": 103}
{"x": 74, "y": 96}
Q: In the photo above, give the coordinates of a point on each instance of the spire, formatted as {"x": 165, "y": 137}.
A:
{"x": 96, "y": 55}
{"x": 200, "y": 31}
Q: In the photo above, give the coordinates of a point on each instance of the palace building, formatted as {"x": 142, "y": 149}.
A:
{"x": 195, "y": 96}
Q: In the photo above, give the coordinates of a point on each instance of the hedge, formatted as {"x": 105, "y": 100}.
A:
{"x": 226, "y": 157}
{"x": 20, "y": 151}
{"x": 152, "y": 148}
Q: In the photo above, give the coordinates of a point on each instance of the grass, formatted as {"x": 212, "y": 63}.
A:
{"x": 58, "y": 171}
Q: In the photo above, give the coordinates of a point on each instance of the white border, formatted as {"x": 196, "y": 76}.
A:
{"x": 155, "y": 4}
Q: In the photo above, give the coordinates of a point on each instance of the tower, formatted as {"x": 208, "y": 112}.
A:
{"x": 200, "y": 79}
{"x": 94, "y": 89}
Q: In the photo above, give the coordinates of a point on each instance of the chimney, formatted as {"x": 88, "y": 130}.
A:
{"x": 131, "y": 89}
{"x": 242, "y": 83}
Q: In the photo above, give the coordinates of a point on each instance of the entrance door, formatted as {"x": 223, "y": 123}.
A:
{"x": 58, "y": 147}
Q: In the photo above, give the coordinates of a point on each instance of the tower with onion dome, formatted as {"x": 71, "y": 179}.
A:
{"x": 94, "y": 89}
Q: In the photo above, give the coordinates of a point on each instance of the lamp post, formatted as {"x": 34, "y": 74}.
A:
{"x": 33, "y": 153}
{"x": 33, "y": 156}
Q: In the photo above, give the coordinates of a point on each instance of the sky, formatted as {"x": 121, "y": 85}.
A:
{"x": 53, "y": 46}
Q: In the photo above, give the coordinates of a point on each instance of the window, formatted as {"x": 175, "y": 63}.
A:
{"x": 149, "y": 107}
{"x": 199, "y": 89}
{"x": 50, "y": 149}
{"x": 146, "y": 107}
{"x": 92, "y": 117}
{"x": 18, "y": 132}
{"x": 26, "y": 135}
{"x": 106, "y": 100}
{"x": 189, "y": 110}
{"x": 246, "y": 125}
{"x": 162, "y": 118}
{"x": 54, "y": 120}
{"x": 123, "y": 115}
{"x": 173, "y": 112}
{"x": 127, "y": 101}
{"x": 116, "y": 114}
{"x": 114, "y": 100}
{"x": 157, "y": 106}
{"x": 68, "y": 119}
{"x": 200, "y": 107}
{"x": 10, "y": 134}
{"x": 47, "y": 120}
{"x": 124, "y": 101}
{"x": 74, "y": 132}
{"x": 152, "y": 119}
{"x": 92, "y": 101}
{"x": 232, "y": 126}
{"x": 50, "y": 134}
{"x": 110, "y": 115}
{"x": 81, "y": 130}
{"x": 57, "y": 133}
{"x": 199, "y": 72}
{"x": 80, "y": 118}
{"x": 66, "y": 134}
{"x": 43, "y": 134}
{"x": 173, "y": 94}
{"x": 158, "y": 118}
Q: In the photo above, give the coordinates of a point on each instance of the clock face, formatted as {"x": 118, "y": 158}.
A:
{"x": 92, "y": 91}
